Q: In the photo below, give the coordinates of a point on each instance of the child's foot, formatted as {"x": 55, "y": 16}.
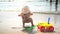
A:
{"x": 32, "y": 25}
{"x": 23, "y": 26}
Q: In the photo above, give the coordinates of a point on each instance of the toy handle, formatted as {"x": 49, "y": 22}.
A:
{"x": 48, "y": 20}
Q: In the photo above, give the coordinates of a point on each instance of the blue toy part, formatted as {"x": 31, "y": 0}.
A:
{"x": 48, "y": 20}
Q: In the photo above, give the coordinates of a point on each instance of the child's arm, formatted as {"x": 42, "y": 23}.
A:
{"x": 31, "y": 13}
{"x": 20, "y": 14}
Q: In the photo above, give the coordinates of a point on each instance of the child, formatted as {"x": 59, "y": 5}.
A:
{"x": 26, "y": 16}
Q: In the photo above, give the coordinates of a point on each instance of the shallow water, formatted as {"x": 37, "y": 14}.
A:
{"x": 33, "y": 4}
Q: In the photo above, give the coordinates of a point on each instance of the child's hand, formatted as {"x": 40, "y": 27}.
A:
{"x": 19, "y": 15}
{"x": 31, "y": 14}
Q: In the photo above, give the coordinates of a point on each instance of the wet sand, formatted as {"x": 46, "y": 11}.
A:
{"x": 11, "y": 19}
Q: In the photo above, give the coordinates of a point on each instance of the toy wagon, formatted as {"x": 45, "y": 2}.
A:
{"x": 45, "y": 26}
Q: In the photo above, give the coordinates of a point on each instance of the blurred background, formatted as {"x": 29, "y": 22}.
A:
{"x": 46, "y": 5}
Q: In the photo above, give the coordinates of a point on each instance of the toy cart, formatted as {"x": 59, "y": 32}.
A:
{"x": 45, "y": 27}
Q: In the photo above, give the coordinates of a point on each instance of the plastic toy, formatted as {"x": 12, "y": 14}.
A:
{"x": 29, "y": 28}
{"x": 45, "y": 26}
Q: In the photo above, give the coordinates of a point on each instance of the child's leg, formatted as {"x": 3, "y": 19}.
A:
{"x": 23, "y": 23}
{"x": 30, "y": 20}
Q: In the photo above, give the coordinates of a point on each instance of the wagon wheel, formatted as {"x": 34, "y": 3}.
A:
{"x": 51, "y": 28}
{"x": 42, "y": 28}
